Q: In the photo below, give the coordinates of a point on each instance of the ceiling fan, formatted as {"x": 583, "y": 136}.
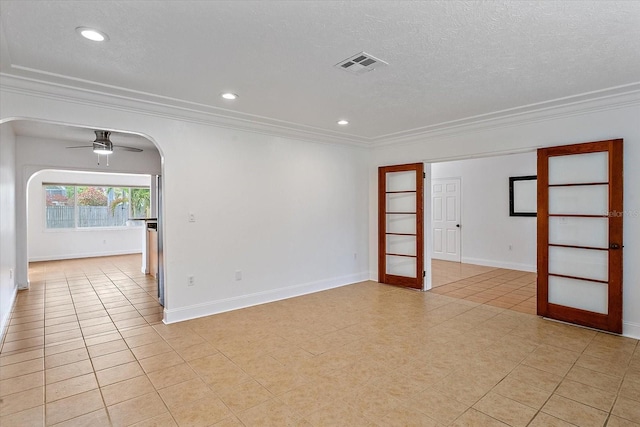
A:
{"x": 103, "y": 145}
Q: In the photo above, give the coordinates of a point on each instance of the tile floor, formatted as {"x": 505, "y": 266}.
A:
{"x": 498, "y": 287}
{"x": 85, "y": 348}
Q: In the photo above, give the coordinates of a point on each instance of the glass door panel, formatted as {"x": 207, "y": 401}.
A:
{"x": 575, "y": 231}
{"x": 579, "y": 168}
{"x": 580, "y": 294}
{"x": 583, "y": 263}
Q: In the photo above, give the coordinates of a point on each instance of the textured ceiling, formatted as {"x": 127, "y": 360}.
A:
{"x": 448, "y": 60}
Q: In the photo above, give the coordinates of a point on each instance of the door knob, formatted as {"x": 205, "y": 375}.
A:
{"x": 614, "y": 246}
{"x": 458, "y": 225}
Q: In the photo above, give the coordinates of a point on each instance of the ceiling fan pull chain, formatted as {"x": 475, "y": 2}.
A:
{"x": 98, "y": 159}
{"x": 107, "y": 160}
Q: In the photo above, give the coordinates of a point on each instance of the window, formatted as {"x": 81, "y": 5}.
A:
{"x": 75, "y": 206}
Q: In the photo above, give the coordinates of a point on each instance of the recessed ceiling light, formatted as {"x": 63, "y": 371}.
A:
{"x": 229, "y": 95}
{"x": 92, "y": 34}
{"x": 343, "y": 122}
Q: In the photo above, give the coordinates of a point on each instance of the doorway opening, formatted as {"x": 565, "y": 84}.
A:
{"x": 479, "y": 252}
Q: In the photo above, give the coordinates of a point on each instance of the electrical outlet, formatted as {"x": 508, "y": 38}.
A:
{"x": 238, "y": 275}
{"x": 510, "y": 247}
{"x": 11, "y": 273}
{"x": 355, "y": 255}
{"x": 191, "y": 281}
{"x": 192, "y": 217}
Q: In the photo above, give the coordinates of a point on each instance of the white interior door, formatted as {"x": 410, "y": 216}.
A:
{"x": 445, "y": 217}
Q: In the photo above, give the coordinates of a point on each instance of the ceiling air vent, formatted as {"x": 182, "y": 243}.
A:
{"x": 361, "y": 63}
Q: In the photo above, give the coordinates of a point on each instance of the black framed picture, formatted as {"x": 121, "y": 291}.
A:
{"x": 523, "y": 195}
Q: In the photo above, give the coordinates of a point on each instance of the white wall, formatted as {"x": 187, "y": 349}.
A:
{"x": 487, "y": 229}
{"x": 291, "y": 215}
{"x": 8, "y": 287}
{"x": 45, "y": 244}
{"x": 607, "y": 118}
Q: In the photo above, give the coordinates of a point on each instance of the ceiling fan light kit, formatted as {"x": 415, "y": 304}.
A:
{"x": 102, "y": 145}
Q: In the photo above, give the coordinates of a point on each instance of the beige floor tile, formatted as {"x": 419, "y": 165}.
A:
{"x": 119, "y": 373}
{"x": 442, "y": 408}
{"x": 103, "y": 338}
{"x": 402, "y": 416}
{"x": 68, "y": 371}
{"x": 506, "y": 410}
{"x": 230, "y": 422}
{"x": 172, "y": 375}
{"x": 33, "y": 417}
{"x": 66, "y": 357}
{"x": 202, "y": 412}
{"x": 21, "y": 357}
{"x": 21, "y": 368}
{"x": 537, "y": 378}
{"x": 631, "y": 388}
{"x": 185, "y": 392}
{"x": 137, "y": 409}
{"x": 595, "y": 379}
{"x": 112, "y": 359}
{"x": 339, "y": 413}
{"x": 376, "y": 355}
{"x": 545, "y": 420}
{"x": 152, "y": 349}
{"x": 161, "y": 361}
{"x": 71, "y": 386}
{"x": 627, "y": 409}
{"x": 615, "y": 421}
{"x": 17, "y": 402}
{"x": 588, "y": 395}
{"x": 162, "y": 420}
{"x": 143, "y": 339}
{"x": 270, "y": 413}
{"x": 574, "y": 412}
{"x": 244, "y": 396}
{"x": 105, "y": 348}
{"x": 73, "y": 406}
{"x": 97, "y": 418}
{"x": 21, "y": 383}
{"x": 127, "y": 389}
{"x": 522, "y": 392}
{"x": 474, "y": 418}
{"x": 197, "y": 351}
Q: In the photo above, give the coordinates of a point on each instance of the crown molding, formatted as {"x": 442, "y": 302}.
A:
{"x": 187, "y": 112}
{"x": 607, "y": 99}
{"x": 602, "y": 100}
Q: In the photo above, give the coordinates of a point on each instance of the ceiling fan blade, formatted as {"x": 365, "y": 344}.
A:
{"x": 80, "y": 146}
{"x": 125, "y": 148}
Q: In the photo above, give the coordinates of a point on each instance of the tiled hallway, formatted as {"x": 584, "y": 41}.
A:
{"x": 85, "y": 348}
{"x": 499, "y": 287}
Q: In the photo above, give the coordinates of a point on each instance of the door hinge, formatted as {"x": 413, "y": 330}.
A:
{"x": 424, "y": 274}
{"x": 424, "y": 175}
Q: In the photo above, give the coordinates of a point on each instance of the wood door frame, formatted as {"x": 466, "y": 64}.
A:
{"x": 612, "y": 321}
{"x": 383, "y": 277}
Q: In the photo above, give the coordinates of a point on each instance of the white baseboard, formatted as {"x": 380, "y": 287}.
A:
{"x": 83, "y": 255}
{"x": 500, "y": 264}
{"x": 243, "y": 301}
{"x": 631, "y": 330}
{"x": 4, "y": 322}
